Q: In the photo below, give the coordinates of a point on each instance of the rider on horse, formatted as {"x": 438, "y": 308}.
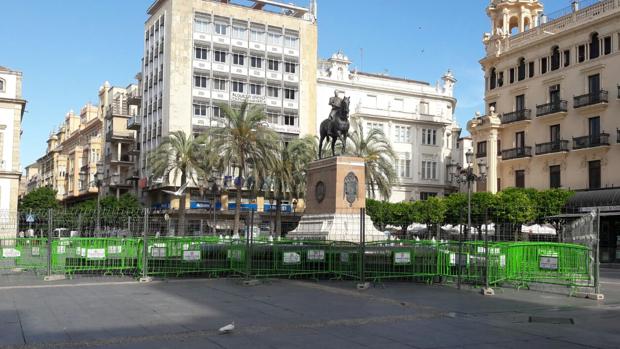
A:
{"x": 335, "y": 102}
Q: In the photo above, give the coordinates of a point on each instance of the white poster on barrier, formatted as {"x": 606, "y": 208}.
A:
{"x": 10, "y": 253}
{"x": 78, "y": 251}
{"x": 402, "y": 257}
{"x": 344, "y": 257}
{"x": 83, "y": 252}
{"x": 114, "y": 249}
{"x": 60, "y": 249}
{"x": 291, "y": 258}
{"x": 35, "y": 251}
{"x": 191, "y": 255}
{"x": 549, "y": 262}
{"x": 95, "y": 253}
{"x": 158, "y": 252}
{"x": 316, "y": 255}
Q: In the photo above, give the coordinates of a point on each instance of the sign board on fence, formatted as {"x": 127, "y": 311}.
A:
{"x": 95, "y": 253}
{"x": 115, "y": 249}
{"x": 60, "y": 249}
{"x": 35, "y": 251}
{"x": 158, "y": 252}
{"x": 10, "y": 253}
{"x": 549, "y": 262}
{"x": 83, "y": 252}
{"x": 492, "y": 250}
{"x": 185, "y": 247}
{"x": 191, "y": 255}
{"x": 344, "y": 257}
{"x": 316, "y": 255}
{"x": 30, "y": 218}
{"x": 291, "y": 258}
{"x": 402, "y": 257}
{"x": 235, "y": 255}
{"x": 502, "y": 261}
{"x": 463, "y": 260}
{"x": 78, "y": 251}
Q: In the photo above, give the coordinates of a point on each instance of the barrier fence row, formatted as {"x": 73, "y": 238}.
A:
{"x": 473, "y": 262}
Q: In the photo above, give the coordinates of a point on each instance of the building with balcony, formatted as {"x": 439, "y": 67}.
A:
{"x": 12, "y": 106}
{"x": 417, "y": 117}
{"x": 200, "y": 54}
{"x": 552, "y": 109}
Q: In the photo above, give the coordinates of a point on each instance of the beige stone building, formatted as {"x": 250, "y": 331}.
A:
{"x": 12, "y": 107}
{"x": 199, "y": 54}
{"x": 552, "y": 102}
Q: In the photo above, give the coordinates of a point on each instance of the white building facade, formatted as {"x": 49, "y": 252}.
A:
{"x": 11, "y": 112}
{"x": 417, "y": 117}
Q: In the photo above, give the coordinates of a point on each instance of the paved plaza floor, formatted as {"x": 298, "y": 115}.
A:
{"x": 186, "y": 313}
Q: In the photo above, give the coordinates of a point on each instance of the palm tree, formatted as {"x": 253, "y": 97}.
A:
{"x": 290, "y": 173}
{"x": 376, "y": 150}
{"x": 176, "y": 157}
{"x": 245, "y": 143}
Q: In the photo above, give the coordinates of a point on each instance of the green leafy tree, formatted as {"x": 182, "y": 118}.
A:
{"x": 403, "y": 214}
{"x": 245, "y": 143}
{"x": 456, "y": 207}
{"x": 176, "y": 157}
{"x": 43, "y": 198}
{"x": 516, "y": 207}
{"x": 551, "y": 202}
{"x": 432, "y": 211}
{"x": 376, "y": 150}
{"x": 379, "y": 212}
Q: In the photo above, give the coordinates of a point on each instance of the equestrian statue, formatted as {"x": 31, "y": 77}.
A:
{"x": 336, "y": 126}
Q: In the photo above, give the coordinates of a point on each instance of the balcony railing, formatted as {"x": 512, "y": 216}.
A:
{"x": 551, "y": 108}
{"x": 591, "y": 141}
{"x": 134, "y": 122}
{"x": 519, "y": 115}
{"x": 552, "y": 147}
{"x": 482, "y": 154}
{"x": 591, "y": 98}
{"x": 514, "y": 153}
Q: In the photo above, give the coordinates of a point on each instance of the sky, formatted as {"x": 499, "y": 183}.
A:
{"x": 67, "y": 49}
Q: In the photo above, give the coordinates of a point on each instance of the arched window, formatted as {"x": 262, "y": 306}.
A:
{"x": 555, "y": 58}
{"x": 513, "y": 25}
{"x": 527, "y": 23}
{"x": 521, "y": 69}
{"x": 493, "y": 79}
{"x": 594, "y": 46}
{"x": 1, "y": 85}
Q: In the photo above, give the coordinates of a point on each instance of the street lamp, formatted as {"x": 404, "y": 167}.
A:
{"x": 98, "y": 183}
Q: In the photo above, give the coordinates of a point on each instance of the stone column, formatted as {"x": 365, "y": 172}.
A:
{"x": 492, "y": 161}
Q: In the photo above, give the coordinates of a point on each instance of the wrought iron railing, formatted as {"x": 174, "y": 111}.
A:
{"x": 481, "y": 154}
{"x": 551, "y": 108}
{"x": 590, "y": 141}
{"x": 514, "y": 153}
{"x": 552, "y": 147}
{"x": 591, "y": 98}
{"x": 519, "y": 115}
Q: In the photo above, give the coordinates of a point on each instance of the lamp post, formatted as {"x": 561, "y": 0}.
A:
{"x": 213, "y": 184}
{"x": 461, "y": 175}
{"x": 98, "y": 183}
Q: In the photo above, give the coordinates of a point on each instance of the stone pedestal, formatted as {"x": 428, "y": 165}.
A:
{"x": 335, "y": 196}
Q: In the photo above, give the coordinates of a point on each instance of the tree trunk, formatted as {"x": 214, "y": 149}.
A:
{"x": 181, "y": 230}
{"x": 278, "y": 217}
{"x": 238, "y": 203}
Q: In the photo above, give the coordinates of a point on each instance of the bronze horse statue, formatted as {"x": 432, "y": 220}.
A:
{"x": 335, "y": 129}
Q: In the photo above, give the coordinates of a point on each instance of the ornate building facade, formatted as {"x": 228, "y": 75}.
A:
{"x": 416, "y": 116}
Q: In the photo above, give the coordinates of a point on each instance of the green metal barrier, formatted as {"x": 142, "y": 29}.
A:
{"x": 23, "y": 254}
{"x": 401, "y": 259}
{"x": 97, "y": 255}
{"x": 468, "y": 260}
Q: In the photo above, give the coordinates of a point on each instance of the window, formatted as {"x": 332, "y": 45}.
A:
{"x": 273, "y": 64}
{"x": 555, "y": 58}
{"x": 425, "y": 195}
{"x": 543, "y": 65}
{"x": 403, "y": 166}
{"x": 493, "y": 79}
{"x": 291, "y": 41}
{"x": 554, "y": 176}
{"x": 512, "y": 75}
{"x": 607, "y": 45}
{"x": 201, "y": 53}
{"x": 566, "y": 58}
{"x": 274, "y": 39}
{"x": 521, "y": 69}
{"x": 290, "y": 119}
{"x": 200, "y": 109}
{"x": 1, "y": 85}
{"x": 201, "y": 81}
{"x": 581, "y": 53}
{"x": 290, "y": 67}
{"x": 219, "y": 84}
{"x": 519, "y": 102}
{"x": 429, "y": 136}
{"x": 520, "y": 178}
{"x": 594, "y": 174}
{"x": 531, "y": 69}
{"x": 594, "y": 46}
{"x": 219, "y": 56}
{"x": 375, "y": 125}
{"x": 238, "y": 59}
{"x": 500, "y": 79}
{"x": 481, "y": 149}
{"x": 554, "y": 134}
{"x": 273, "y": 117}
{"x": 554, "y": 94}
{"x": 594, "y": 129}
{"x": 520, "y": 140}
{"x": 257, "y": 35}
{"x": 594, "y": 84}
{"x": 201, "y": 25}
{"x": 239, "y": 32}
{"x": 273, "y": 91}
{"x": 424, "y": 108}
{"x": 237, "y": 86}
{"x": 398, "y": 104}
{"x": 256, "y": 89}
{"x": 494, "y": 106}
{"x": 289, "y": 93}
{"x": 429, "y": 170}
{"x": 256, "y": 62}
{"x": 401, "y": 134}
{"x": 217, "y": 112}
{"x": 220, "y": 28}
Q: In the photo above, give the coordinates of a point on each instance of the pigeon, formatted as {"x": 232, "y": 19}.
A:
{"x": 228, "y": 328}
{"x": 179, "y": 192}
